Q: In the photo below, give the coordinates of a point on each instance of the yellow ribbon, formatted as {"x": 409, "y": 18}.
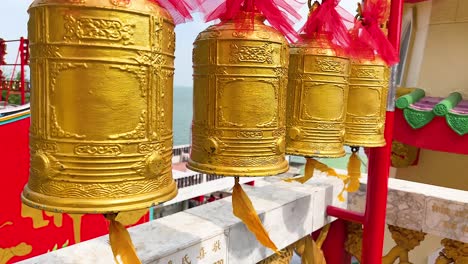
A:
{"x": 121, "y": 242}
{"x": 243, "y": 209}
{"x": 351, "y": 181}
{"x": 311, "y": 251}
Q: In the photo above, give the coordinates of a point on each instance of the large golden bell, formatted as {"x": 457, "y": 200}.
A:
{"x": 367, "y": 103}
{"x": 101, "y": 106}
{"x": 317, "y": 96}
{"x": 239, "y": 101}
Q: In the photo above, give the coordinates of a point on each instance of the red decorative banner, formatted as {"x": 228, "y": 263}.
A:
{"x": 26, "y": 232}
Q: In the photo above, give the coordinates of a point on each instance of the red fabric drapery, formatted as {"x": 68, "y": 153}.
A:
{"x": 369, "y": 40}
{"x": 180, "y": 10}
{"x": 330, "y": 22}
{"x": 281, "y": 14}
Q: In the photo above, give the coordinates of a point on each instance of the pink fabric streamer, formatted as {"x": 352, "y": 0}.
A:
{"x": 329, "y": 21}
{"x": 180, "y": 10}
{"x": 281, "y": 14}
{"x": 369, "y": 37}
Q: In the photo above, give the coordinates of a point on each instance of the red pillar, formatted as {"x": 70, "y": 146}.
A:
{"x": 334, "y": 246}
{"x": 379, "y": 163}
{"x": 23, "y": 64}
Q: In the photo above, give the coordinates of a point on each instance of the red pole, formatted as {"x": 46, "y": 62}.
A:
{"x": 345, "y": 214}
{"x": 379, "y": 163}
{"x": 23, "y": 63}
{"x": 336, "y": 239}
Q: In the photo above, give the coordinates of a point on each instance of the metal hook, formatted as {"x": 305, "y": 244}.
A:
{"x": 314, "y": 6}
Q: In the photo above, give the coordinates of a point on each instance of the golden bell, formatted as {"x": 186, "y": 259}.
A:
{"x": 367, "y": 103}
{"x": 239, "y": 100}
{"x": 101, "y": 107}
{"x": 317, "y": 96}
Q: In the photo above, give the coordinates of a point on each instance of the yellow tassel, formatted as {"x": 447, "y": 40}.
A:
{"x": 308, "y": 171}
{"x": 121, "y": 243}
{"x": 310, "y": 167}
{"x": 354, "y": 172}
{"x": 310, "y": 252}
{"x": 242, "y": 208}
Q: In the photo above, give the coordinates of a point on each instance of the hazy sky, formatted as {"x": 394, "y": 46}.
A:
{"x": 14, "y": 17}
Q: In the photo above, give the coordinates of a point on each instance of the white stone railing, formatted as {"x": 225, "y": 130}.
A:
{"x": 289, "y": 211}
{"x": 178, "y": 153}
{"x": 211, "y": 234}
{"x": 192, "y": 184}
{"x": 422, "y": 207}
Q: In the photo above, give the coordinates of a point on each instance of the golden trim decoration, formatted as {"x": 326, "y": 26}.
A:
{"x": 138, "y": 133}
{"x": 57, "y": 131}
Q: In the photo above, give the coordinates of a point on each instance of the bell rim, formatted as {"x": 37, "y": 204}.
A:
{"x": 310, "y": 154}
{"x": 97, "y": 206}
{"x": 227, "y": 171}
{"x": 370, "y": 144}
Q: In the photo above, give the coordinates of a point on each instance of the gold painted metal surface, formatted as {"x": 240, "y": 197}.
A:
{"x": 367, "y": 103}
{"x": 239, "y": 101}
{"x": 317, "y": 97}
{"x": 101, "y": 109}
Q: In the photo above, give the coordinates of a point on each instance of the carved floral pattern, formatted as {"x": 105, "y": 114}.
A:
{"x": 359, "y": 72}
{"x": 89, "y": 28}
{"x": 244, "y": 53}
{"x": 98, "y": 150}
{"x": 329, "y": 65}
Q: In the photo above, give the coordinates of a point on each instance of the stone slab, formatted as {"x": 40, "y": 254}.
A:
{"x": 432, "y": 209}
{"x": 211, "y": 233}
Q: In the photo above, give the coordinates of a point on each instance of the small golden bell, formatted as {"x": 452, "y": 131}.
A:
{"x": 239, "y": 100}
{"x": 317, "y": 96}
{"x": 367, "y": 103}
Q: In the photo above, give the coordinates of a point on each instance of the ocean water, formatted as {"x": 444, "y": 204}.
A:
{"x": 182, "y": 116}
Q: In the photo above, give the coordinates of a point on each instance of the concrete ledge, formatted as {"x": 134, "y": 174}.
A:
{"x": 211, "y": 234}
{"x": 432, "y": 209}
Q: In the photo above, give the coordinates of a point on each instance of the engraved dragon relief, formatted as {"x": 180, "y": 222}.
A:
{"x": 57, "y": 131}
{"x": 104, "y": 29}
{"x": 244, "y": 53}
{"x": 138, "y": 133}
